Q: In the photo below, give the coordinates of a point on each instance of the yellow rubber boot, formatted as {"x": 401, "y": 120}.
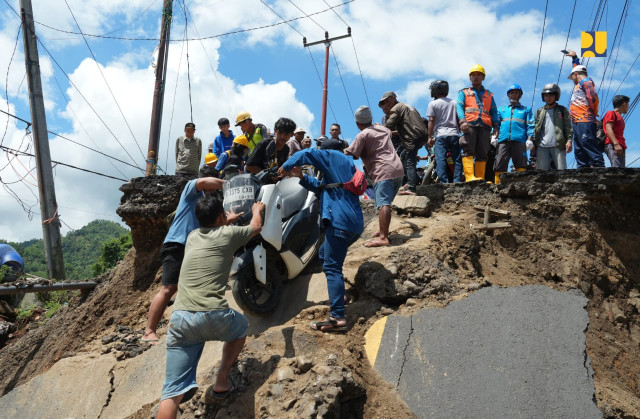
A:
{"x": 522, "y": 169}
{"x": 480, "y": 168}
{"x": 498, "y": 177}
{"x": 467, "y": 166}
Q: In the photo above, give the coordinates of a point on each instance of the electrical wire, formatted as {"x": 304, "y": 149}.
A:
{"x": 186, "y": 28}
{"x": 283, "y": 19}
{"x": 335, "y": 60}
{"x": 106, "y": 82}
{"x": 13, "y": 151}
{"x": 213, "y": 71}
{"x": 573, "y": 12}
{"x": 6, "y": 83}
{"x": 321, "y": 84}
{"x": 615, "y": 61}
{"x": 625, "y": 76}
{"x": 544, "y": 24}
{"x": 85, "y": 99}
{"x": 313, "y": 20}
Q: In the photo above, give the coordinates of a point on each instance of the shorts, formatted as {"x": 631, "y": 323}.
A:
{"x": 188, "y": 332}
{"x": 386, "y": 190}
{"x": 171, "y": 256}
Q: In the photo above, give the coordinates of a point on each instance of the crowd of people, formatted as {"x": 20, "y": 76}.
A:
{"x": 201, "y": 242}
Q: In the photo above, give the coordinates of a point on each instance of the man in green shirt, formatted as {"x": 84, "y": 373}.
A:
{"x": 201, "y": 312}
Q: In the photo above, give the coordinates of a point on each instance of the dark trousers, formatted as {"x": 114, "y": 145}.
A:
{"x": 514, "y": 150}
{"x": 585, "y": 145}
{"x": 476, "y": 142}
{"x": 409, "y": 163}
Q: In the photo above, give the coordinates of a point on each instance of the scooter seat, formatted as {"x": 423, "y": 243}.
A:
{"x": 293, "y": 196}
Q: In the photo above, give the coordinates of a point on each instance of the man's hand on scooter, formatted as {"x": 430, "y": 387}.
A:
{"x": 295, "y": 171}
{"x": 257, "y": 208}
{"x": 232, "y": 217}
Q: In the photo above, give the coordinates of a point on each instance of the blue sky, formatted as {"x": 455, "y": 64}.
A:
{"x": 401, "y": 45}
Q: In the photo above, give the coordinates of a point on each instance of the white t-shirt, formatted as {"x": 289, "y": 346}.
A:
{"x": 446, "y": 122}
{"x": 549, "y": 129}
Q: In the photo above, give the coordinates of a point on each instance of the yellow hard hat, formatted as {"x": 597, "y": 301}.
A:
{"x": 477, "y": 68}
{"x": 242, "y": 140}
{"x": 242, "y": 116}
{"x": 210, "y": 158}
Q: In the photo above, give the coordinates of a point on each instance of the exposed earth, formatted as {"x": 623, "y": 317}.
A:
{"x": 578, "y": 230}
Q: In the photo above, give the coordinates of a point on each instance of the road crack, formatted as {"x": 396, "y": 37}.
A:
{"x": 113, "y": 388}
{"x": 404, "y": 352}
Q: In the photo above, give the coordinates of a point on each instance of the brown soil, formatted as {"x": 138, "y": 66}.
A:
{"x": 562, "y": 240}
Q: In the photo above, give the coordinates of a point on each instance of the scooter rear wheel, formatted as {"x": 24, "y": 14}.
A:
{"x": 254, "y": 297}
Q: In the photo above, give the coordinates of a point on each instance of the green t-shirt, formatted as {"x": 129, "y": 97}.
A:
{"x": 205, "y": 268}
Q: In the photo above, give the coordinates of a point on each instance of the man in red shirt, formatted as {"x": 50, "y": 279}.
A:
{"x": 613, "y": 124}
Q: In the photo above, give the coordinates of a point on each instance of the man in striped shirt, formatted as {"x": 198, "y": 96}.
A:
{"x": 188, "y": 152}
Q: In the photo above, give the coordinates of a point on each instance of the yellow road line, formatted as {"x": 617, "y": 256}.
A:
{"x": 372, "y": 339}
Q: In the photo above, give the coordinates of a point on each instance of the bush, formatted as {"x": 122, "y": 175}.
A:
{"x": 111, "y": 253}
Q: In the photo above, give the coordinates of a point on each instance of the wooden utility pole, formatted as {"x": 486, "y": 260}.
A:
{"x": 48, "y": 205}
{"x": 158, "y": 92}
{"x": 325, "y": 91}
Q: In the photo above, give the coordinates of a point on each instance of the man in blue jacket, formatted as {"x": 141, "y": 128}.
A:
{"x": 515, "y": 135}
{"x": 341, "y": 215}
{"x": 224, "y": 141}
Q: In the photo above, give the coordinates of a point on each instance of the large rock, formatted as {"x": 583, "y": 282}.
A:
{"x": 408, "y": 204}
{"x": 145, "y": 205}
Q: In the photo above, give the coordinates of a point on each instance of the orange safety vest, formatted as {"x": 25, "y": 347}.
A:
{"x": 472, "y": 110}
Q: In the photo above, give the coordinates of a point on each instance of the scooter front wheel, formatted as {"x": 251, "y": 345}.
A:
{"x": 253, "y": 296}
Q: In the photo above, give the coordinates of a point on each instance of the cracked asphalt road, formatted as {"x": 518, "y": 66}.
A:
{"x": 502, "y": 352}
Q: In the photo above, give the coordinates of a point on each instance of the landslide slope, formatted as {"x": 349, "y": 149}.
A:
{"x": 578, "y": 229}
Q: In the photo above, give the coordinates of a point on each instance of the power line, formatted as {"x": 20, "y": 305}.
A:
{"x": 6, "y": 83}
{"x": 283, "y": 19}
{"x": 320, "y": 26}
{"x": 573, "y": 12}
{"x": 75, "y": 142}
{"x": 624, "y": 24}
{"x": 64, "y": 96}
{"x": 191, "y": 39}
{"x": 186, "y": 33}
{"x": 321, "y": 84}
{"x": 15, "y": 152}
{"x": 544, "y": 24}
{"x": 335, "y": 60}
{"x": 336, "y": 13}
{"x": 213, "y": 71}
{"x": 85, "y": 99}
{"x": 625, "y": 76}
{"x": 105, "y": 80}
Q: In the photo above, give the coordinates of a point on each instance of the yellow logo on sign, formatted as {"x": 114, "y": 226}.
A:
{"x": 594, "y": 44}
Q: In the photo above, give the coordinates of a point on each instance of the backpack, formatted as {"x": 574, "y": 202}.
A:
{"x": 601, "y": 135}
{"x": 357, "y": 185}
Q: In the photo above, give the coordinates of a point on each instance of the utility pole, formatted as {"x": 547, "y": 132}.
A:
{"x": 158, "y": 92}
{"x": 48, "y": 205}
{"x": 325, "y": 91}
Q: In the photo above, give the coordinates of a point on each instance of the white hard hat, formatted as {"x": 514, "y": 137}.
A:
{"x": 578, "y": 68}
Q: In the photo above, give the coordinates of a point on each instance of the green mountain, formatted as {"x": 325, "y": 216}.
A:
{"x": 81, "y": 249}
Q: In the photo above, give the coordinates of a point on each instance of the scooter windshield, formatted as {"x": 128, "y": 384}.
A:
{"x": 240, "y": 193}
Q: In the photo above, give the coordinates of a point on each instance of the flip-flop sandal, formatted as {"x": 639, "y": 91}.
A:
{"x": 375, "y": 243}
{"x": 220, "y": 395}
{"x": 334, "y": 328}
{"x": 151, "y": 341}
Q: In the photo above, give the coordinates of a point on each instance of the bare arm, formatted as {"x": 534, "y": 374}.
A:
{"x": 209, "y": 184}
{"x": 256, "y": 219}
{"x": 612, "y": 137}
{"x": 432, "y": 123}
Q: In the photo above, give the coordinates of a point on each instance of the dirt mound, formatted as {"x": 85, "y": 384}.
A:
{"x": 577, "y": 229}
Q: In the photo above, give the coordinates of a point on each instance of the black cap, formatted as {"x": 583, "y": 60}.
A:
{"x": 190, "y": 125}
{"x": 333, "y": 144}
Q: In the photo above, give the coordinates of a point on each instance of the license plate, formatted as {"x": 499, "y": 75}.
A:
{"x": 240, "y": 193}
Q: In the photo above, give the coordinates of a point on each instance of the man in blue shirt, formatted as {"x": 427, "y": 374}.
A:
{"x": 172, "y": 251}
{"x": 515, "y": 135}
{"x": 223, "y": 141}
{"x": 341, "y": 215}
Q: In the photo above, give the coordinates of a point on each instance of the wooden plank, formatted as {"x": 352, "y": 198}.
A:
{"x": 493, "y": 211}
{"x": 490, "y": 226}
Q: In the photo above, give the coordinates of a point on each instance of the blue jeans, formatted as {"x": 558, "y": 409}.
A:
{"x": 410, "y": 162}
{"x": 451, "y": 144}
{"x": 585, "y": 144}
{"x": 546, "y": 155}
{"x": 332, "y": 254}
{"x": 188, "y": 331}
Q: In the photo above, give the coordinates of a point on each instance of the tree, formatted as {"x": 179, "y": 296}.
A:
{"x": 111, "y": 253}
